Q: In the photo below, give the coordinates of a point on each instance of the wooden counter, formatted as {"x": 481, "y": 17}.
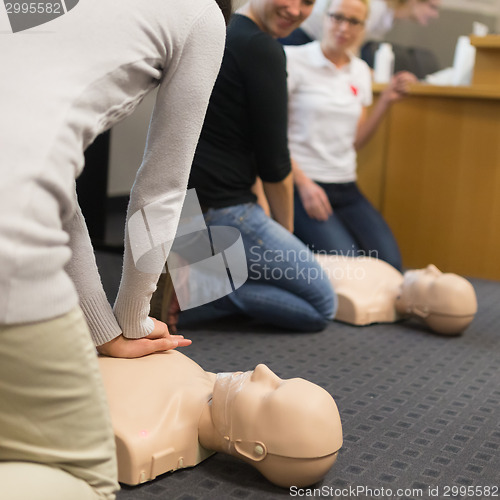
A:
{"x": 487, "y": 65}
{"x": 482, "y": 91}
{"x": 433, "y": 169}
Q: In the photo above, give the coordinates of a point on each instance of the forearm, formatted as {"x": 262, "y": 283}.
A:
{"x": 397, "y": 89}
{"x": 258, "y": 190}
{"x": 280, "y": 198}
{"x": 160, "y": 186}
{"x": 299, "y": 177}
{"x": 368, "y": 126}
{"x": 82, "y": 269}
{"x": 313, "y": 197}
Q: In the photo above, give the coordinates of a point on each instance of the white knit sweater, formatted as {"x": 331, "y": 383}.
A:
{"x": 63, "y": 83}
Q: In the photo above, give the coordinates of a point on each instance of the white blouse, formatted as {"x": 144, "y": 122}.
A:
{"x": 325, "y": 104}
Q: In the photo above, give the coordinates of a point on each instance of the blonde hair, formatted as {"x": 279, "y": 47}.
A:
{"x": 398, "y": 3}
{"x": 366, "y": 2}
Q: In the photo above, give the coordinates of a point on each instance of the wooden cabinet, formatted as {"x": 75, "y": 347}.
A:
{"x": 487, "y": 66}
{"x": 433, "y": 169}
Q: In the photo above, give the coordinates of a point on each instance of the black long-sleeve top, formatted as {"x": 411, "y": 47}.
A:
{"x": 245, "y": 128}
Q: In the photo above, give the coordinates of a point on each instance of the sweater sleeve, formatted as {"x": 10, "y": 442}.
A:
{"x": 160, "y": 186}
{"x": 265, "y": 81}
{"x": 82, "y": 269}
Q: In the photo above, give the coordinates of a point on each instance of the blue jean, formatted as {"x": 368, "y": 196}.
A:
{"x": 286, "y": 286}
{"x": 355, "y": 227}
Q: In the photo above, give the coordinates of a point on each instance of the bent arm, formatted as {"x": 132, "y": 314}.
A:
{"x": 368, "y": 123}
{"x": 82, "y": 269}
{"x": 267, "y": 107}
{"x": 158, "y": 193}
{"x": 258, "y": 190}
{"x": 313, "y": 197}
{"x": 280, "y": 198}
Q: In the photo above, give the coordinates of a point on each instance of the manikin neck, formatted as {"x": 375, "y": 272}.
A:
{"x": 208, "y": 435}
{"x": 401, "y": 305}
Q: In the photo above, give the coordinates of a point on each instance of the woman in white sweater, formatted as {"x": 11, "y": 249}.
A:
{"x": 61, "y": 85}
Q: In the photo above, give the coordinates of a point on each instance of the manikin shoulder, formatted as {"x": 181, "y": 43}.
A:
{"x": 366, "y": 288}
{"x": 155, "y": 403}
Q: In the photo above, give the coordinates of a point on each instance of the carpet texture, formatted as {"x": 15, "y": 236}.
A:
{"x": 418, "y": 410}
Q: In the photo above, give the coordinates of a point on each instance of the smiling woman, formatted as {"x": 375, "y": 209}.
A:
{"x": 278, "y": 17}
{"x": 244, "y": 136}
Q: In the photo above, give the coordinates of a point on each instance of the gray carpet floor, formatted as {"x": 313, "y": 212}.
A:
{"x": 418, "y": 410}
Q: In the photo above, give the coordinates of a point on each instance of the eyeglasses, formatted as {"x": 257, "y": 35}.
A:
{"x": 351, "y": 21}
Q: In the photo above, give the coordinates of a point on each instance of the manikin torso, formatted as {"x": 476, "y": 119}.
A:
{"x": 164, "y": 405}
{"x": 366, "y": 288}
{"x": 156, "y": 430}
{"x": 371, "y": 291}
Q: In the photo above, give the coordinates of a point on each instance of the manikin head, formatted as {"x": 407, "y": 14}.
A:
{"x": 445, "y": 302}
{"x": 289, "y": 430}
{"x": 278, "y": 17}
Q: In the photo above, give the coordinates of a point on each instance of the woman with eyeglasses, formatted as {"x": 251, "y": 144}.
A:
{"x": 329, "y": 92}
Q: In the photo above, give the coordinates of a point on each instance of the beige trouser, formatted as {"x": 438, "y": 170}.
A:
{"x": 56, "y": 440}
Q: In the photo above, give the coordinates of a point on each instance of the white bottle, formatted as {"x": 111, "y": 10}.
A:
{"x": 463, "y": 62}
{"x": 384, "y": 63}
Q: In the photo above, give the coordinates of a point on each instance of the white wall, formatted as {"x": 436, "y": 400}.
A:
{"x": 238, "y": 3}
{"x": 487, "y": 7}
{"x": 442, "y": 34}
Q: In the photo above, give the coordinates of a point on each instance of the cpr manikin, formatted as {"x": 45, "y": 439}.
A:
{"x": 371, "y": 291}
{"x": 168, "y": 413}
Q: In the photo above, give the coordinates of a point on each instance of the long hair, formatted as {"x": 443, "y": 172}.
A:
{"x": 226, "y": 7}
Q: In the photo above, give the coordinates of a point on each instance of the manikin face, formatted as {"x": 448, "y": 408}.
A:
{"x": 424, "y": 12}
{"x": 290, "y": 418}
{"x": 446, "y": 302}
{"x": 415, "y": 289}
{"x": 421, "y": 278}
{"x": 344, "y": 24}
{"x": 427, "y": 291}
{"x": 279, "y": 17}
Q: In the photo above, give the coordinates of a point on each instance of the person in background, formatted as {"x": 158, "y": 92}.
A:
{"x": 245, "y": 136}
{"x": 329, "y": 92}
{"x": 87, "y": 71}
{"x": 383, "y": 14}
